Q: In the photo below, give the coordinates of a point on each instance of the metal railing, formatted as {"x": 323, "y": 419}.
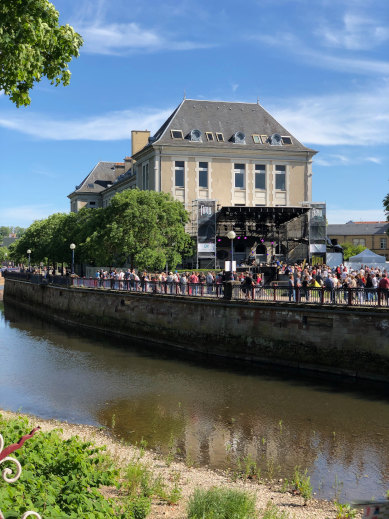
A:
{"x": 361, "y": 297}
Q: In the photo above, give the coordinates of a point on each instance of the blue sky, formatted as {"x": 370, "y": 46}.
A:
{"x": 320, "y": 67}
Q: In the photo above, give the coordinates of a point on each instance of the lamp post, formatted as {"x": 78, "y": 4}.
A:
{"x": 29, "y": 259}
{"x": 72, "y": 246}
{"x": 232, "y": 235}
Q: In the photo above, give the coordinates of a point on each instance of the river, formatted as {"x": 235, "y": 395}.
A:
{"x": 209, "y": 412}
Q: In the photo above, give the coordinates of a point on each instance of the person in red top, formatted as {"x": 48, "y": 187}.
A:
{"x": 383, "y": 287}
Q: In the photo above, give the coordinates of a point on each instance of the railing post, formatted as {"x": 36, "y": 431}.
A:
{"x": 379, "y": 296}
{"x": 297, "y": 294}
{"x": 274, "y": 294}
{"x": 349, "y": 296}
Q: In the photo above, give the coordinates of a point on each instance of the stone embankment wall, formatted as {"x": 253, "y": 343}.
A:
{"x": 347, "y": 341}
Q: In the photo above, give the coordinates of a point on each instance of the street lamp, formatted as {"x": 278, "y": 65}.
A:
{"x": 29, "y": 259}
{"x": 72, "y": 246}
{"x": 232, "y": 235}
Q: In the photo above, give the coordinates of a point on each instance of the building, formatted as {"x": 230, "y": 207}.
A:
{"x": 258, "y": 175}
{"x": 372, "y": 235}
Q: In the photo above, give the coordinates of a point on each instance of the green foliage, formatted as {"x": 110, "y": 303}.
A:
{"x": 221, "y": 503}
{"x": 6, "y": 231}
{"x": 351, "y": 250}
{"x": 302, "y": 484}
{"x": 144, "y": 228}
{"x": 272, "y": 512}
{"x": 33, "y": 45}
{"x": 61, "y": 478}
{"x": 344, "y": 511}
{"x": 4, "y": 254}
{"x": 386, "y": 206}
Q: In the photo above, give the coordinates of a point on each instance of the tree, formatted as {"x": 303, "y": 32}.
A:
{"x": 143, "y": 228}
{"x": 351, "y": 250}
{"x": 33, "y": 45}
{"x": 4, "y": 254}
{"x": 386, "y": 206}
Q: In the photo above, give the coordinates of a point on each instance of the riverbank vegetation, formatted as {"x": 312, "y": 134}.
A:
{"x": 78, "y": 471}
{"x": 140, "y": 228}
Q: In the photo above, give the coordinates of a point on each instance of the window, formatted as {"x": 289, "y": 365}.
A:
{"x": 91, "y": 186}
{"x": 264, "y": 139}
{"x": 286, "y": 140}
{"x": 92, "y": 203}
{"x": 179, "y": 173}
{"x": 176, "y": 134}
{"x": 219, "y": 137}
{"x": 383, "y": 243}
{"x": 203, "y": 174}
{"x": 239, "y": 170}
{"x": 260, "y": 176}
{"x": 359, "y": 241}
{"x": 280, "y": 178}
{"x": 145, "y": 176}
{"x": 209, "y": 136}
{"x": 256, "y": 139}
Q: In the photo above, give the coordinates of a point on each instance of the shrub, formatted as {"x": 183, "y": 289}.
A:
{"x": 60, "y": 478}
{"x": 220, "y": 503}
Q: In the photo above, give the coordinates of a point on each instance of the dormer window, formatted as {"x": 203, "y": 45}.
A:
{"x": 286, "y": 139}
{"x": 176, "y": 134}
{"x": 275, "y": 139}
{"x": 264, "y": 139}
{"x": 219, "y": 137}
{"x": 195, "y": 135}
{"x": 256, "y": 139}
{"x": 239, "y": 138}
{"x": 209, "y": 136}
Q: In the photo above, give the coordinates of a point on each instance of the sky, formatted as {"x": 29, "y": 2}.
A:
{"x": 320, "y": 67}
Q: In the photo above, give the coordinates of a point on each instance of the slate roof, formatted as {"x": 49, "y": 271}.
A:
{"x": 101, "y": 176}
{"x": 226, "y": 118}
{"x": 357, "y": 229}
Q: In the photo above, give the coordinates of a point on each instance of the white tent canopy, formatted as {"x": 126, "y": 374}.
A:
{"x": 367, "y": 257}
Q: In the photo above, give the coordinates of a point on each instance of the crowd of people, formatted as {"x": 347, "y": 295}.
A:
{"x": 302, "y": 281}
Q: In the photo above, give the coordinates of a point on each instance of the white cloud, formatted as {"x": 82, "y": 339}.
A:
{"x": 126, "y": 38}
{"x": 24, "y": 215}
{"x": 357, "y": 33}
{"x": 106, "y": 127}
{"x": 344, "y": 160}
{"x": 348, "y": 118}
{"x": 356, "y": 215}
{"x": 290, "y": 43}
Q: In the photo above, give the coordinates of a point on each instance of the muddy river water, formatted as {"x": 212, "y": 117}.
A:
{"x": 209, "y": 412}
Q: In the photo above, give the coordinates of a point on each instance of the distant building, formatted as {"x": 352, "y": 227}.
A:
{"x": 372, "y": 235}
{"x": 235, "y": 154}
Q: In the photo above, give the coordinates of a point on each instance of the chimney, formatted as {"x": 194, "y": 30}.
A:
{"x": 127, "y": 164}
{"x": 139, "y": 139}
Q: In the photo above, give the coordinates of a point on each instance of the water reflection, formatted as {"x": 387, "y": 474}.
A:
{"x": 214, "y": 414}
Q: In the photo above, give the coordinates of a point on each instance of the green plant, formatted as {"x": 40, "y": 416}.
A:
{"x": 60, "y": 478}
{"x": 302, "y": 484}
{"x": 221, "y": 503}
{"x": 247, "y": 468}
{"x": 272, "y": 512}
{"x": 344, "y": 511}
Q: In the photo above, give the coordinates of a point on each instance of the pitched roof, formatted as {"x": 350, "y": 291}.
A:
{"x": 357, "y": 229}
{"x": 226, "y": 118}
{"x": 101, "y": 176}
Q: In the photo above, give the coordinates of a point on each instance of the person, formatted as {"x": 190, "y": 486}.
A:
{"x": 210, "y": 281}
{"x": 183, "y": 283}
{"x": 383, "y": 287}
{"x": 247, "y": 285}
{"x": 169, "y": 281}
{"x": 291, "y": 289}
{"x": 329, "y": 286}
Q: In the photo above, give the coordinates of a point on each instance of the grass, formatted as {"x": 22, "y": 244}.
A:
{"x": 302, "y": 484}
{"x": 272, "y": 512}
{"x": 344, "y": 511}
{"x": 221, "y": 503}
